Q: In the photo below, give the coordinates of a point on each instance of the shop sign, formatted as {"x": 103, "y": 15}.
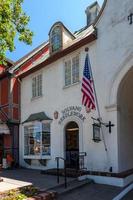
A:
{"x": 72, "y": 111}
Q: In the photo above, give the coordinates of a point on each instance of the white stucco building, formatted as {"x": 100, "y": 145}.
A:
{"x": 53, "y": 121}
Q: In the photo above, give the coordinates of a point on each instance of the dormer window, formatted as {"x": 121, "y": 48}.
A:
{"x": 56, "y": 39}
{"x": 59, "y": 37}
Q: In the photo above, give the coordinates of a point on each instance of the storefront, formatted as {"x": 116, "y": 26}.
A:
{"x": 53, "y": 88}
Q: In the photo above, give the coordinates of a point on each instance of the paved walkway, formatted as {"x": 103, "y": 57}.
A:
{"x": 129, "y": 196}
{"x": 92, "y": 192}
{"x": 22, "y": 177}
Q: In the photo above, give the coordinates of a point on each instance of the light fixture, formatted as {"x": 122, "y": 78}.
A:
{"x": 72, "y": 129}
{"x": 96, "y": 132}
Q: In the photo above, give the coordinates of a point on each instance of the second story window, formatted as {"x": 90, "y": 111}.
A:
{"x": 56, "y": 39}
{"x": 72, "y": 71}
{"x": 37, "y": 86}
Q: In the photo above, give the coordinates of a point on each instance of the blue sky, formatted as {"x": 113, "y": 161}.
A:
{"x": 44, "y": 13}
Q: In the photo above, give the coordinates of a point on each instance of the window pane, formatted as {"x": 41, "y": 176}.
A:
{"x": 37, "y": 86}
{"x": 40, "y": 85}
{"x": 75, "y": 69}
{"x": 34, "y": 87}
{"x": 26, "y": 146}
{"x": 37, "y": 139}
{"x": 68, "y": 73}
{"x": 46, "y": 150}
{"x": 45, "y": 144}
{"x": 56, "y": 39}
{"x": 46, "y": 127}
{"x": 32, "y": 140}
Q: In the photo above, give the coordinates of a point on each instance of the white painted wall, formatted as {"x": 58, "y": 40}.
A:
{"x": 110, "y": 54}
{"x": 125, "y": 133}
{"x": 114, "y": 50}
{"x": 67, "y": 38}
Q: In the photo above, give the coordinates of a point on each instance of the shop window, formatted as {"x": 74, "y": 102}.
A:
{"x": 37, "y": 86}
{"x": 37, "y": 139}
{"x": 72, "y": 71}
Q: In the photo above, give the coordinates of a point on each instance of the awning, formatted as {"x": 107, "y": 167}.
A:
{"x": 4, "y": 129}
{"x": 37, "y": 117}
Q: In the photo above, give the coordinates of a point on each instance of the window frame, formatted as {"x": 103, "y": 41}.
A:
{"x": 70, "y": 59}
{"x": 39, "y": 155}
{"x": 38, "y": 88}
{"x": 51, "y": 37}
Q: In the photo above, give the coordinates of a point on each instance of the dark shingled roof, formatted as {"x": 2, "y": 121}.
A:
{"x": 37, "y": 117}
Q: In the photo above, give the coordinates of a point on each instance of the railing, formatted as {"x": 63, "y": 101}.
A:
{"x": 58, "y": 170}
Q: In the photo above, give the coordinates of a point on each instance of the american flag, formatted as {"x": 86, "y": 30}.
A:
{"x": 88, "y": 99}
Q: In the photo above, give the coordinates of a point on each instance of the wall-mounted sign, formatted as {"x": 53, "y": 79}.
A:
{"x": 72, "y": 111}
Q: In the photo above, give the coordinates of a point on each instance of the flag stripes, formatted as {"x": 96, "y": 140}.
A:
{"x": 88, "y": 99}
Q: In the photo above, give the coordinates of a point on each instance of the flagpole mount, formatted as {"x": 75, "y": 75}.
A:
{"x": 86, "y": 49}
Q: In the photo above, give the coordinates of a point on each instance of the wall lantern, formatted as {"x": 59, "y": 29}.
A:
{"x": 97, "y": 123}
{"x": 96, "y": 132}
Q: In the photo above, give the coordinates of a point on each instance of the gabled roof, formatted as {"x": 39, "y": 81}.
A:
{"x": 61, "y": 24}
{"x": 4, "y": 69}
{"x": 88, "y": 35}
{"x": 9, "y": 61}
{"x": 79, "y": 39}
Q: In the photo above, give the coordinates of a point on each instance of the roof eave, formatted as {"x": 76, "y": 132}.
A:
{"x": 90, "y": 38}
{"x": 28, "y": 56}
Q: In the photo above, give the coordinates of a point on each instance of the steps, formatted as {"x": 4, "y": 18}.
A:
{"x": 70, "y": 172}
{"x": 75, "y": 184}
{"x": 71, "y": 185}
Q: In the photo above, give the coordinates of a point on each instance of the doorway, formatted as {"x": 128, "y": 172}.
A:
{"x": 72, "y": 145}
{"x": 125, "y": 122}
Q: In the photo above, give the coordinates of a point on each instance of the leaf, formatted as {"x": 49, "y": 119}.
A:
{"x": 13, "y": 20}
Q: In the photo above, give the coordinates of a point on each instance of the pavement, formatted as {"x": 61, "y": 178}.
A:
{"x": 15, "y": 178}
{"x": 129, "y": 196}
{"x": 92, "y": 192}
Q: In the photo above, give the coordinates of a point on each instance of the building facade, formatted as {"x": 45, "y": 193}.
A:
{"x": 9, "y": 114}
{"x": 53, "y": 121}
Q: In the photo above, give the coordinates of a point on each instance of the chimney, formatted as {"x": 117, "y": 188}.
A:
{"x": 92, "y": 12}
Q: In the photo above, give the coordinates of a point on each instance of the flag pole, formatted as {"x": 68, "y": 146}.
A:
{"x": 97, "y": 104}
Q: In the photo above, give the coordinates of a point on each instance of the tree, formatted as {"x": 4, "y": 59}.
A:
{"x": 13, "y": 22}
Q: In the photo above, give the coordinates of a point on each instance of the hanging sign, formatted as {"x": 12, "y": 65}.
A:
{"x": 72, "y": 111}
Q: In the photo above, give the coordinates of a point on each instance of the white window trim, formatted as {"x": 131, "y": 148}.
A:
{"x": 67, "y": 59}
{"x": 35, "y": 75}
{"x": 36, "y": 156}
{"x": 61, "y": 39}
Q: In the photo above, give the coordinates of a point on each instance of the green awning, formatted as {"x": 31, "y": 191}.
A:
{"x": 37, "y": 117}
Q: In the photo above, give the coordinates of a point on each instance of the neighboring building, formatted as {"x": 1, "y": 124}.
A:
{"x": 53, "y": 121}
{"x": 9, "y": 113}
